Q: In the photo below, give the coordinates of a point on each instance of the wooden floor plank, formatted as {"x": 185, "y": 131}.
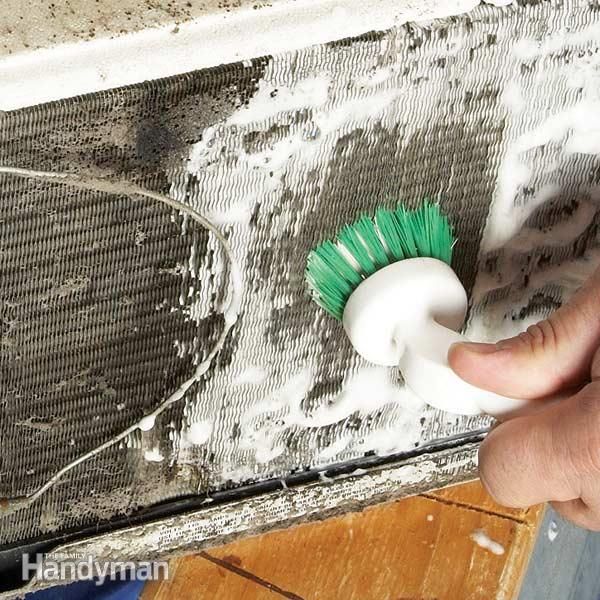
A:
{"x": 417, "y": 548}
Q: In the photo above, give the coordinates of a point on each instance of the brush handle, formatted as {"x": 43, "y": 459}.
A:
{"x": 408, "y": 314}
{"x": 424, "y": 366}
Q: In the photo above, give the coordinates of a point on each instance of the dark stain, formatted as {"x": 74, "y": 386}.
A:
{"x": 371, "y": 36}
{"x": 594, "y": 175}
{"x": 232, "y": 559}
{"x": 353, "y": 422}
{"x": 227, "y": 353}
{"x": 487, "y": 94}
{"x": 257, "y": 141}
{"x": 255, "y": 214}
{"x": 110, "y": 342}
{"x": 539, "y": 304}
{"x": 154, "y": 141}
{"x": 329, "y": 387}
{"x": 250, "y": 576}
{"x": 528, "y": 68}
{"x": 236, "y": 432}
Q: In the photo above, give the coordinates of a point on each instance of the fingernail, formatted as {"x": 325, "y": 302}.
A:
{"x": 479, "y": 348}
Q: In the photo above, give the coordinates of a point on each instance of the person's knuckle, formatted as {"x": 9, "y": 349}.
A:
{"x": 494, "y": 473}
{"x": 587, "y": 446}
{"x": 542, "y": 336}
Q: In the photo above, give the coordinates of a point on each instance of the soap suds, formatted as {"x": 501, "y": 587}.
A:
{"x": 199, "y": 433}
{"x": 270, "y": 100}
{"x": 364, "y": 392}
{"x": 237, "y": 473}
{"x": 153, "y": 455}
{"x": 327, "y": 454}
{"x": 238, "y": 213}
{"x": 484, "y": 541}
{"x": 573, "y": 130}
{"x": 251, "y": 375}
{"x": 513, "y": 99}
{"x": 556, "y": 42}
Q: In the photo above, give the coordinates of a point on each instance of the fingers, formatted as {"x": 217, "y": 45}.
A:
{"x": 585, "y": 511}
{"x": 551, "y": 355}
{"x": 579, "y": 513}
{"x": 553, "y": 455}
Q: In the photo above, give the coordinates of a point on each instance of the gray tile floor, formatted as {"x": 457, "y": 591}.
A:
{"x": 565, "y": 564}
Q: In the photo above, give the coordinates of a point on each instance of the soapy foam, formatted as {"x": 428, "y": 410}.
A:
{"x": 199, "y": 433}
{"x": 484, "y": 541}
{"x": 251, "y": 375}
{"x": 153, "y": 455}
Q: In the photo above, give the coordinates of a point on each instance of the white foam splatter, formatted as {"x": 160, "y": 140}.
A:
{"x": 331, "y": 451}
{"x": 484, "y": 541}
{"x": 251, "y": 375}
{"x": 577, "y": 127}
{"x": 513, "y": 99}
{"x": 153, "y": 455}
{"x": 237, "y": 213}
{"x": 270, "y": 101}
{"x": 530, "y": 49}
{"x": 199, "y": 433}
{"x": 237, "y": 473}
{"x": 375, "y": 77}
{"x": 366, "y": 391}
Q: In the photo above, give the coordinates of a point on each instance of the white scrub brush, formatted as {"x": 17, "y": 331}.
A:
{"x": 389, "y": 280}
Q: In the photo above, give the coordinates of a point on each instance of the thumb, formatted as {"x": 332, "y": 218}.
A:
{"x": 549, "y": 356}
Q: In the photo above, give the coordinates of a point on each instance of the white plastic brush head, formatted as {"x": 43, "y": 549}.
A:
{"x": 408, "y": 314}
{"x": 394, "y": 305}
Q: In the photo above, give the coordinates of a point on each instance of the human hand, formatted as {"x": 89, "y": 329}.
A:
{"x": 552, "y": 454}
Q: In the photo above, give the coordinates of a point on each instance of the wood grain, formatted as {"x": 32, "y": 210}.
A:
{"x": 418, "y": 548}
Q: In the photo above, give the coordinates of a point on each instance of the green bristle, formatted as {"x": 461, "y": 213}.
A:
{"x": 405, "y": 227}
{"x": 422, "y": 229}
{"x": 373, "y": 244}
{"x": 387, "y": 225}
{"x": 331, "y": 278}
{"x": 435, "y": 239}
{"x": 370, "y": 238}
{"x": 351, "y": 240}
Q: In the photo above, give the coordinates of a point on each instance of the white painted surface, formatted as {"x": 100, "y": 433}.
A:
{"x": 67, "y": 69}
